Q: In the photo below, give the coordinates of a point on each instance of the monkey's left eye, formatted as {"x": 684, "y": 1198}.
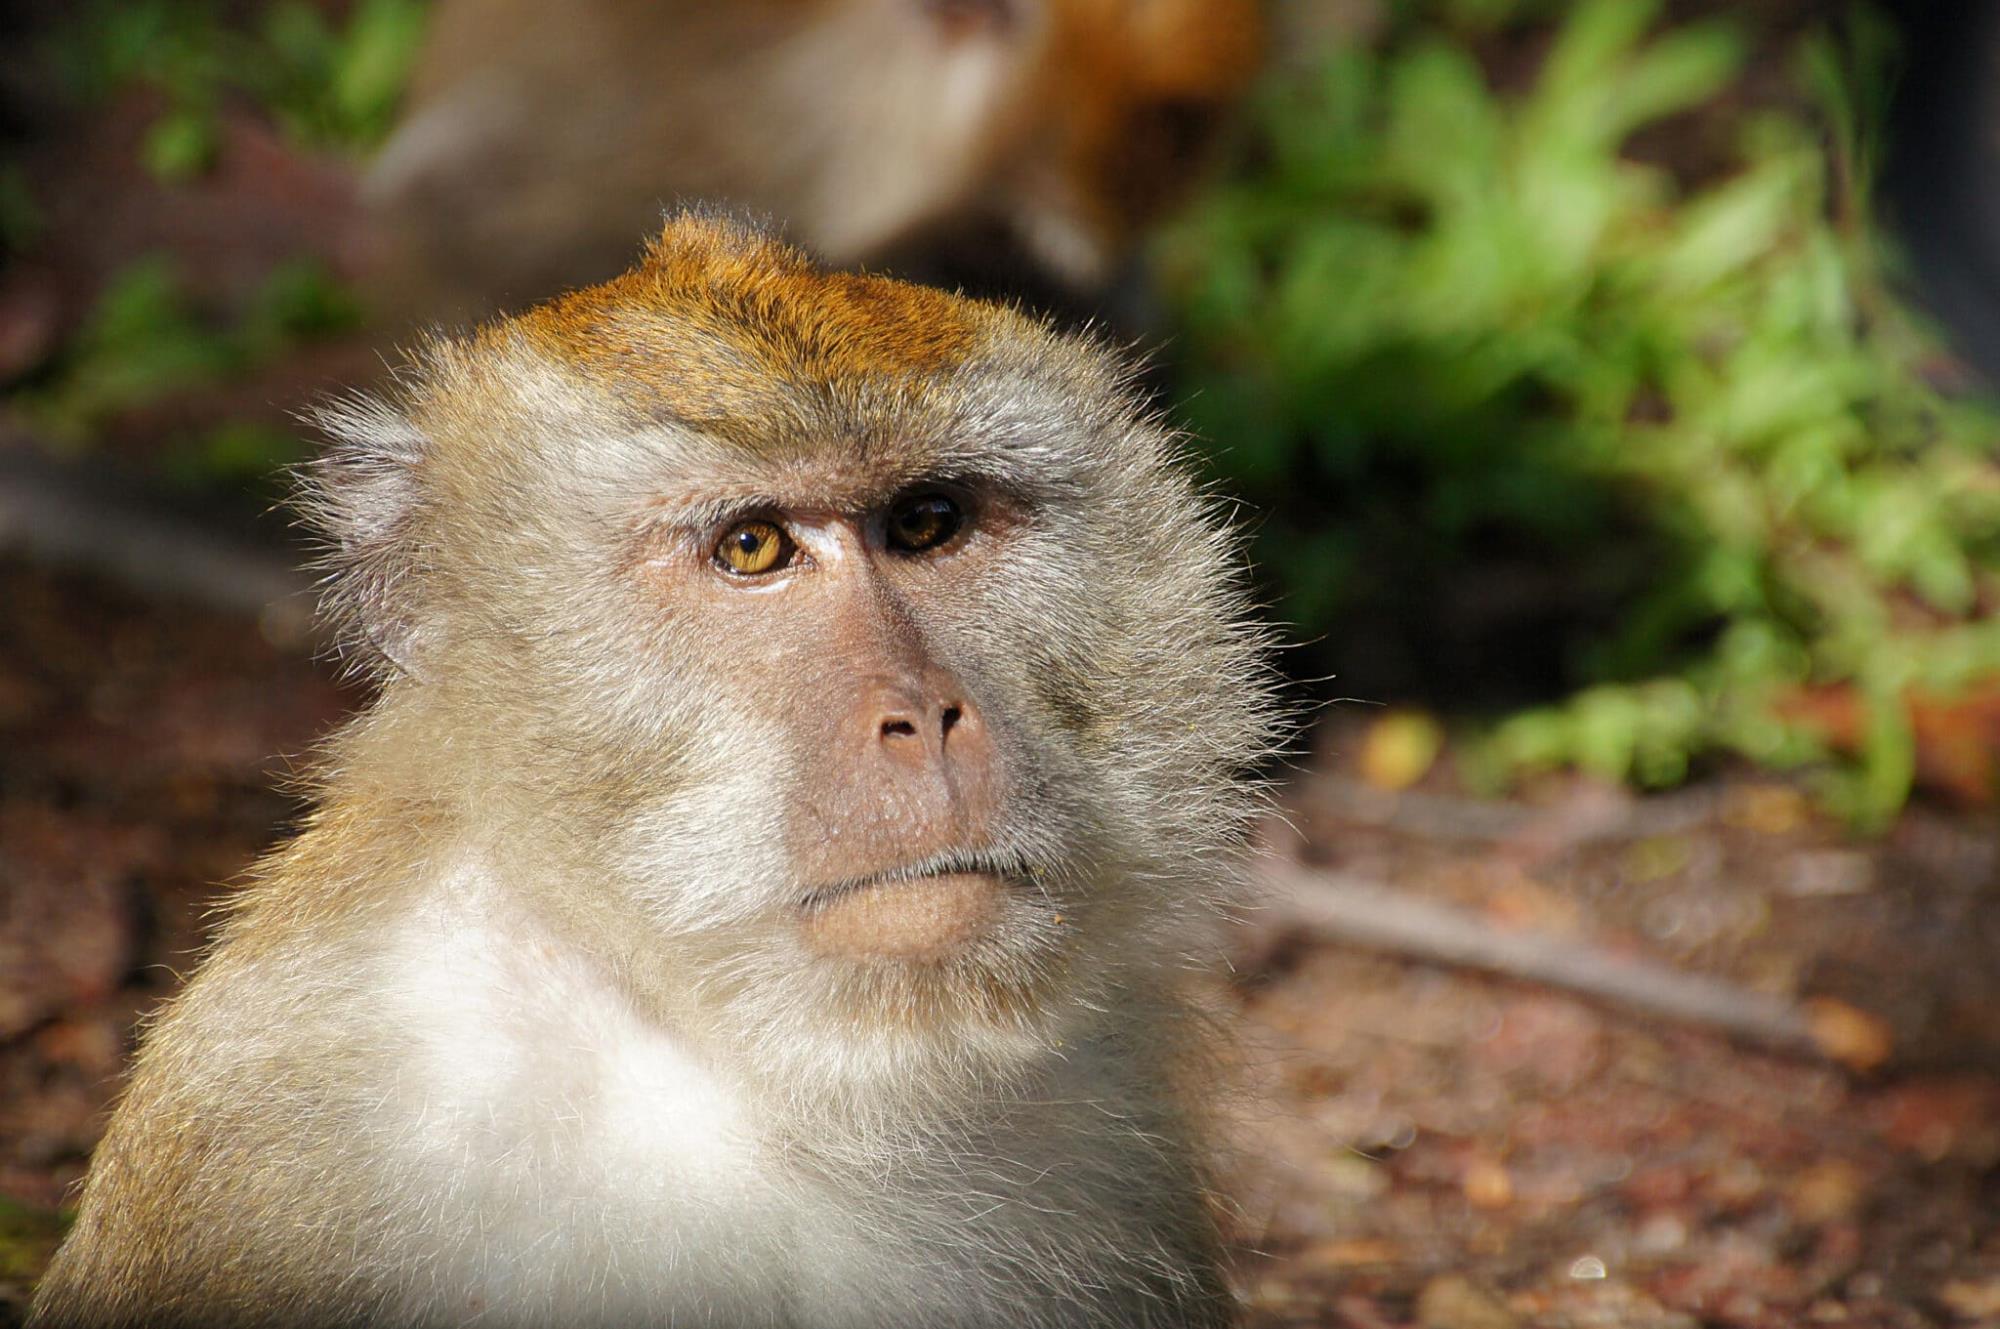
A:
{"x": 751, "y": 548}
{"x": 923, "y": 522}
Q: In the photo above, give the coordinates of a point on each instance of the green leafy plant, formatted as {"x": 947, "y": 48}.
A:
{"x": 1433, "y": 330}
{"x": 340, "y": 87}
{"x": 328, "y": 86}
{"x": 141, "y": 342}
{"x": 20, "y": 217}
{"x": 145, "y": 340}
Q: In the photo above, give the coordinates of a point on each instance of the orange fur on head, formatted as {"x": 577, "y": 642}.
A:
{"x": 714, "y": 305}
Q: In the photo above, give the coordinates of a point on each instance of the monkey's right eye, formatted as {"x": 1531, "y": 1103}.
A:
{"x": 752, "y": 548}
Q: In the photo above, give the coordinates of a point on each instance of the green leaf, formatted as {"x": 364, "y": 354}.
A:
{"x": 374, "y": 63}
{"x": 181, "y": 145}
{"x": 1723, "y": 232}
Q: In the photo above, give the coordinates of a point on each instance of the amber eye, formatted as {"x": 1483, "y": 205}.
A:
{"x": 751, "y": 548}
{"x": 923, "y": 522}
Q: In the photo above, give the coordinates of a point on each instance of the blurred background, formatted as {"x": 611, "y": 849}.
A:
{"x": 1608, "y": 386}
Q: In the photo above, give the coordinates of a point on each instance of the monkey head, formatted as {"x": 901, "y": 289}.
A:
{"x": 860, "y": 656}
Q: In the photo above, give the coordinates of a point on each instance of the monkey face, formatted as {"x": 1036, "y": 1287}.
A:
{"x": 910, "y": 863}
{"x": 868, "y": 643}
{"x": 897, "y": 824}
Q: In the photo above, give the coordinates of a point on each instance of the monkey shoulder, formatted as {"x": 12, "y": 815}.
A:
{"x": 226, "y": 1185}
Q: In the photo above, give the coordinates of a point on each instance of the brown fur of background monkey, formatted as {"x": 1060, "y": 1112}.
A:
{"x": 811, "y": 746}
{"x": 1004, "y": 145}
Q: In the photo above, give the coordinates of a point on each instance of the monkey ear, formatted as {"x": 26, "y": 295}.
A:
{"x": 362, "y": 496}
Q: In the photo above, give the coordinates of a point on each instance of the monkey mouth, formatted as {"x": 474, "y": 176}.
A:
{"x": 926, "y": 911}
{"x": 1010, "y": 868}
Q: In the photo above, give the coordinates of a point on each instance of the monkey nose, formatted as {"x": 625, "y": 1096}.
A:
{"x": 911, "y": 726}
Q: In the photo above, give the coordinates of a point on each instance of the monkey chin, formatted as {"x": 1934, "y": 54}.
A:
{"x": 921, "y": 920}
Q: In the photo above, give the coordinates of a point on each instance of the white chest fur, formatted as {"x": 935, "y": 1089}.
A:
{"x": 564, "y": 1161}
{"x": 583, "y": 1162}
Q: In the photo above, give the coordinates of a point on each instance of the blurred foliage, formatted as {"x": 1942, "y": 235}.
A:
{"x": 145, "y": 339}
{"x": 1431, "y": 327}
{"x": 327, "y": 85}
{"x": 238, "y": 454}
{"x": 28, "y": 1237}
{"x": 20, "y": 217}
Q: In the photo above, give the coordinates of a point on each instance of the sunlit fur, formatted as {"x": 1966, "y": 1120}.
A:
{"x": 559, "y": 830}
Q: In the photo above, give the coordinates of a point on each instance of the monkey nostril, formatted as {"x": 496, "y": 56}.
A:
{"x": 949, "y": 720}
{"x": 898, "y": 729}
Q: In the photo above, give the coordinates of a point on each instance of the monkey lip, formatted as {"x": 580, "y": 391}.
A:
{"x": 926, "y": 913}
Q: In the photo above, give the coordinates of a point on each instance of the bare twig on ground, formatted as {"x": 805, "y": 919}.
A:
{"x": 1350, "y": 909}
{"x": 1612, "y": 815}
{"x": 60, "y": 517}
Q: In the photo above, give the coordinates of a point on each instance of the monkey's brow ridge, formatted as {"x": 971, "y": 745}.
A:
{"x": 704, "y": 509}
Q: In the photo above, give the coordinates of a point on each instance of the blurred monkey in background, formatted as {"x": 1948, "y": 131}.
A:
{"x": 1008, "y": 147}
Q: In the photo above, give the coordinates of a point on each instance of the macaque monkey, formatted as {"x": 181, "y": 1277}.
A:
{"x": 810, "y": 751}
{"x": 1007, "y": 146}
